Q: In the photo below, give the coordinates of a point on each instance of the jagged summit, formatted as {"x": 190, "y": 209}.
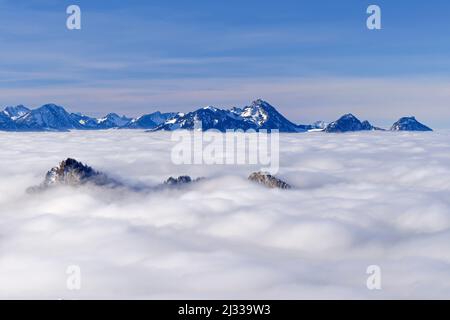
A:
{"x": 265, "y": 116}
{"x": 409, "y": 124}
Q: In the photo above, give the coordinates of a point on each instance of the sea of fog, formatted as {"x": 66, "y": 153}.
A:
{"x": 373, "y": 198}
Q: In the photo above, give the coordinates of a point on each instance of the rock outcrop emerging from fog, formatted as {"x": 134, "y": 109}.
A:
{"x": 181, "y": 180}
{"x": 268, "y": 180}
{"x": 71, "y": 172}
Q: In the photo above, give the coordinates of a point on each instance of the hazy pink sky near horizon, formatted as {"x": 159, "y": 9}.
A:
{"x": 302, "y": 100}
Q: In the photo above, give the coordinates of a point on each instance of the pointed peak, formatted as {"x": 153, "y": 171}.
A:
{"x": 260, "y": 103}
{"x": 349, "y": 116}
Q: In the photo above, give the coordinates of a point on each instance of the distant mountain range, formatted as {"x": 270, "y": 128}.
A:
{"x": 257, "y": 116}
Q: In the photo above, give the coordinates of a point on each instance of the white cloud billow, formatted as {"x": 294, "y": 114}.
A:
{"x": 375, "y": 198}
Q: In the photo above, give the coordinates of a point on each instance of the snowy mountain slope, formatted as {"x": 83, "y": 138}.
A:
{"x": 206, "y": 119}
{"x": 84, "y": 121}
{"x": 16, "y": 112}
{"x": 265, "y": 116}
{"x": 48, "y": 117}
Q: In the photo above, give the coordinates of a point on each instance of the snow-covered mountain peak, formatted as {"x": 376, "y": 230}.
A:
{"x": 256, "y": 113}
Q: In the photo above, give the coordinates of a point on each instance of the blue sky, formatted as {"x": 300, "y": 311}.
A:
{"x": 312, "y": 59}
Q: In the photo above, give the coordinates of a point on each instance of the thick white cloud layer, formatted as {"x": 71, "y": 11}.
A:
{"x": 360, "y": 199}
